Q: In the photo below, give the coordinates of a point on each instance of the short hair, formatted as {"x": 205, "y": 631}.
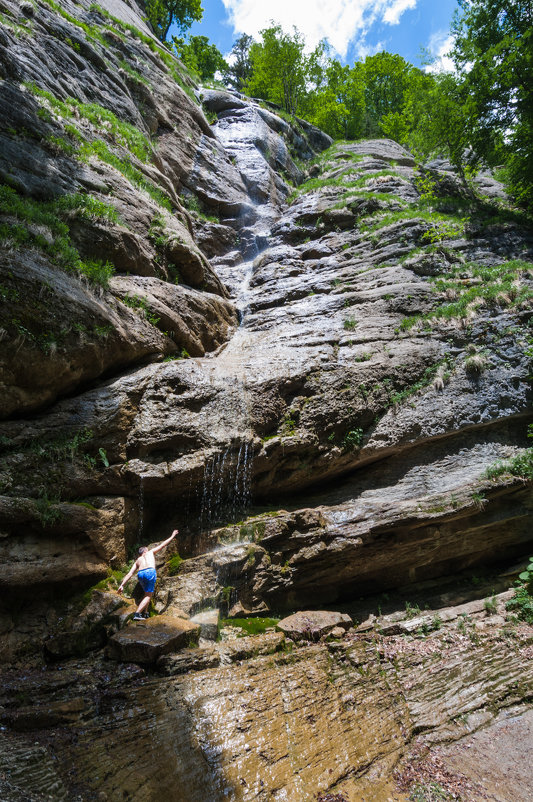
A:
{"x": 143, "y": 549}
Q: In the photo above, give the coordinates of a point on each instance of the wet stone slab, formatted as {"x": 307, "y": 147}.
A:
{"x": 145, "y": 641}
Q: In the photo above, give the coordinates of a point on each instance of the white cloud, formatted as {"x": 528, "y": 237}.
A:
{"x": 339, "y": 21}
{"x": 363, "y": 49}
{"x": 394, "y": 12}
{"x": 439, "y": 46}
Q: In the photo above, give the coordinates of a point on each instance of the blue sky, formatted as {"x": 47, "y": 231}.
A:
{"x": 354, "y": 28}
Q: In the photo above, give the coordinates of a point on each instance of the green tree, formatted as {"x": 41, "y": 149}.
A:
{"x": 493, "y": 52}
{"x": 240, "y": 70}
{"x": 199, "y": 56}
{"x": 337, "y": 104}
{"x": 163, "y": 13}
{"x": 278, "y": 68}
{"x": 437, "y": 120}
{"x": 386, "y": 77}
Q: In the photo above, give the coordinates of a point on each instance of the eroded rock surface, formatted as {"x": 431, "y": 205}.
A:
{"x": 196, "y": 316}
{"x": 337, "y": 717}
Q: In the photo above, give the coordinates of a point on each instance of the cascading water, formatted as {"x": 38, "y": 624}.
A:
{"x": 141, "y": 508}
{"x": 226, "y": 491}
{"x": 227, "y": 475}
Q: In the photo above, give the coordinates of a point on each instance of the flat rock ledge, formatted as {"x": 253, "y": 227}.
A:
{"x": 146, "y": 641}
{"x": 314, "y": 624}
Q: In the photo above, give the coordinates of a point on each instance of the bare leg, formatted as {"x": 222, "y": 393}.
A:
{"x": 144, "y": 603}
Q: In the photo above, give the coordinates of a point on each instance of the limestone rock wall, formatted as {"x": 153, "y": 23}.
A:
{"x": 213, "y": 318}
{"x": 187, "y": 326}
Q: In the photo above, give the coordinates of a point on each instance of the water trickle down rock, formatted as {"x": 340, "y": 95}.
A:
{"x": 373, "y": 434}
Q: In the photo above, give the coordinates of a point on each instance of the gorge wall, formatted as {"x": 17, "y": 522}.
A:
{"x": 306, "y": 356}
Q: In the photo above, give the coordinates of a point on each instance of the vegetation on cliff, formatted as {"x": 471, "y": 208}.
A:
{"x": 482, "y": 112}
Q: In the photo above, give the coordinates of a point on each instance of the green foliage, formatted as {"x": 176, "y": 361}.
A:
{"x": 278, "y": 68}
{"x": 522, "y": 604}
{"x": 386, "y": 78}
{"x": 124, "y": 166}
{"x": 32, "y": 213}
{"x": 352, "y": 440}
{"x": 47, "y": 509}
{"x": 199, "y": 56}
{"x": 364, "y": 100}
{"x": 527, "y": 575}
{"x": 103, "y": 456}
{"x": 91, "y": 31}
{"x": 141, "y": 305}
{"x": 479, "y": 500}
{"x": 88, "y": 207}
{"x": 288, "y": 426}
{"x": 110, "y": 582}
{"x": 522, "y": 601}
{"x": 133, "y": 73}
{"x": 240, "y": 71}
{"x": 411, "y": 610}
{"x": 489, "y": 285}
{"x": 122, "y": 133}
{"x": 493, "y": 54}
{"x": 490, "y": 605}
{"x": 174, "y": 564}
{"x": 49, "y": 462}
{"x": 119, "y": 27}
{"x": 192, "y": 203}
{"x": 429, "y": 792}
{"x": 60, "y": 144}
{"x": 225, "y": 594}
{"x": 251, "y": 626}
{"x": 63, "y": 447}
{"x": 438, "y": 119}
{"x": 398, "y": 397}
{"x": 476, "y": 362}
{"x": 337, "y": 104}
{"x": 163, "y": 13}
{"x": 520, "y": 466}
{"x": 23, "y": 29}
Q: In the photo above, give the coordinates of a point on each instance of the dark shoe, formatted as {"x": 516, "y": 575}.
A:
{"x": 138, "y": 617}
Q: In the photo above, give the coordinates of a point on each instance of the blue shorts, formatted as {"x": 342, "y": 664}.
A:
{"x": 147, "y": 579}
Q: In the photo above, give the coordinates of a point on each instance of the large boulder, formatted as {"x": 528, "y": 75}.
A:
{"x": 145, "y": 641}
{"x": 313, "y": 624}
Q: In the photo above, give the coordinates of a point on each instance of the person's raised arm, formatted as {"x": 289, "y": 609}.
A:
{"x": 166, "y": 542}
{"x": 127, "y": 577}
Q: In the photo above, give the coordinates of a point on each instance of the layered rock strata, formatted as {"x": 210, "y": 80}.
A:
{"x": 200, "y": 314}
{"x": 356, "y": 717}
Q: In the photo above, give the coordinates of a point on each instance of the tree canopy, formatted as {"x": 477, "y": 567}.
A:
{"x": 240, "y": 70}
{"x": 493, "y": 53}
{"x": 163, "y": 13}
{"x": 278, "y": 68}
{"x": 200, "y": 56}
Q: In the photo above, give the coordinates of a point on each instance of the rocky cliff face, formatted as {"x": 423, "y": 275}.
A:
{"x": 200, "y": 314}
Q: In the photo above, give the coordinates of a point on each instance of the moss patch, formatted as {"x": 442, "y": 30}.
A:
{"x": 251, "y": 626}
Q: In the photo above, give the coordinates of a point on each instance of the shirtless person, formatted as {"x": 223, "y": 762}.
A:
{"x": 145, "y": 565}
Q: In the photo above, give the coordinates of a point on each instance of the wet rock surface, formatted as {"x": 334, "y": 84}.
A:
{"x": 200, "y": 315}
{"x": 145, "y": 641}
{"x": 339, "y": 717}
